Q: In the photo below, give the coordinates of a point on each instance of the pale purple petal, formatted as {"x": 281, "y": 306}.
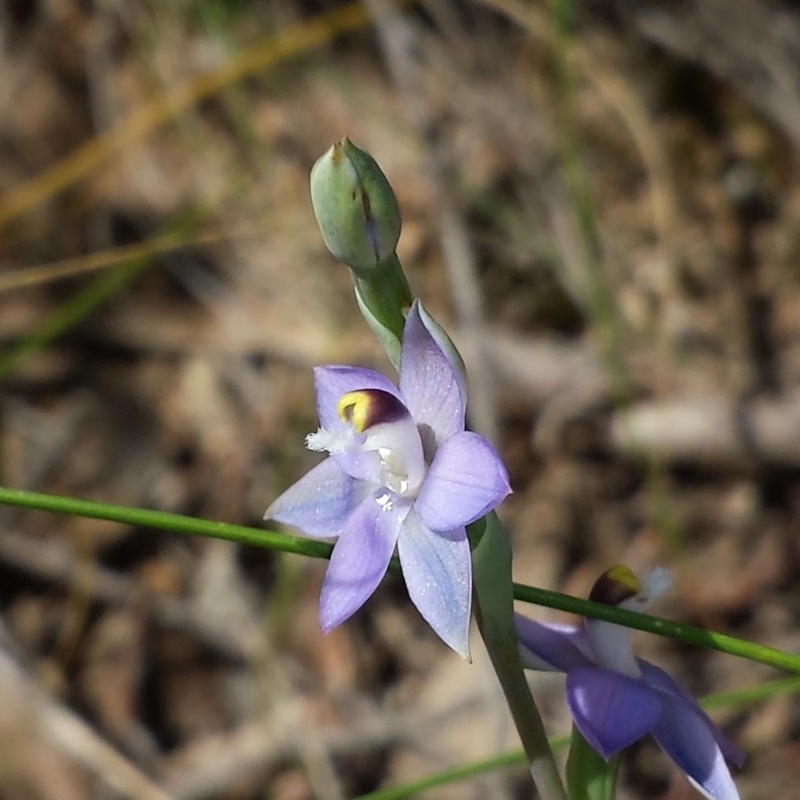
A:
{"x": 429, "y": 382}
{"x": 465, "y": 481}
{"x": 687, "y": 740}
{"x": 548, "y": 646}
{"x": 359, "y": 560}
{"x": 445, "y": 343}
{"x": 656, "y": 677}
{"x": 332, "y": 381}
{"x": 438, "y": 573}
{"x": 319, "y": 503}
{"x": 611, "y": 710}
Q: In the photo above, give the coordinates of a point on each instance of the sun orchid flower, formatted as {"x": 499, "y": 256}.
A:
{"x": 615, "y": 698}
{"x": 402, "y": 472}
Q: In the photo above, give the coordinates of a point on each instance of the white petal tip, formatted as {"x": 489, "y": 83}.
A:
{"x": 460, "y": 648}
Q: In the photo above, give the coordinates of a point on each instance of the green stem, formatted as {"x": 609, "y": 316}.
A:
{"x": 494, "y": 611}
{"x": 589, "y": 775}
{"x": 165, "y": 521}
{"x": 660, "y": 626}
{"x": 241, "y": 534}
{"x": 384, "y": 297}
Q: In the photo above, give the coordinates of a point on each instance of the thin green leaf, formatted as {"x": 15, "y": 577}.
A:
{"x": 242, "y": 534}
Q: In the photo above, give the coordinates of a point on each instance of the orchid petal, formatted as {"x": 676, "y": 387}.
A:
{"x": 429, "y": 382}
{"x": 360, "y": 558}
{"x": 656, "y": 677}
{"x": 438, "y": 573}
{"x": 319, "y": 503}
{"x": 333, "y": 381}
{"x": 465, "y": 481}
{"x": 685, "y": 737}
{"x": 551, "y": 646}
{"x": 446, "y": 345}
{"x": 612, "y": 711}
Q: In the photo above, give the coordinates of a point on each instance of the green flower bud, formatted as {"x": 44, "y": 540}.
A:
{"x": 355, "y": 206}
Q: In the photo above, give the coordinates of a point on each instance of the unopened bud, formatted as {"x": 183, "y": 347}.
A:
{"x": 355, "y": 206}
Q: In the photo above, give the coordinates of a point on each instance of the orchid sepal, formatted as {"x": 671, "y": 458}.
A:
{"x": 384, "y": 298}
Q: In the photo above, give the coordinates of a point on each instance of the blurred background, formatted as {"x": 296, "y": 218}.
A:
{"x": 601, "y": 201}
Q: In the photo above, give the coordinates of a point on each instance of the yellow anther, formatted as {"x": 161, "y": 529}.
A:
{"x": 355, "y": 408}
{"x": 615, "y": 586}
{"x": 624, "y": 575}
{"x": 364, "y": 408}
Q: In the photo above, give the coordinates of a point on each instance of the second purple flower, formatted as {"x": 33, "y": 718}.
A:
{"x": 402, "y": 472}
{"x": 615, "y": 698}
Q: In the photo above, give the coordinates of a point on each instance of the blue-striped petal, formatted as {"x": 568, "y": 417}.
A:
{"x": 465, "y": 481}
{"x": 360, "y": 558}
{"x": 437, "y": 569}
{"x": 319, "y": 503}
{"x": 429, "y": 382}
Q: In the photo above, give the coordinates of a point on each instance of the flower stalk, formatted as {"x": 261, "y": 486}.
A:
{"x": 589, "y": 775}
{"x": 355, "y": 207}
{"x": 494, "y": 610}
{"x": 384, "y": 297}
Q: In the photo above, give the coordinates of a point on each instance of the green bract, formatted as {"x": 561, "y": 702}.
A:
{"x": 355, "y": 206}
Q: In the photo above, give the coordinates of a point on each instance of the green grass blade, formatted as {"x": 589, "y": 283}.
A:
{"x": 179, "y": 523}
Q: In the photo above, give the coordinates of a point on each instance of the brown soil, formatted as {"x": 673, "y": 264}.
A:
{"x": 607, "y": 222}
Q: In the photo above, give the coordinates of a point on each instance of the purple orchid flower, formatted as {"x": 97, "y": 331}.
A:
{"x": 402, "y": 471}
{"x": 615, "y": 698}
